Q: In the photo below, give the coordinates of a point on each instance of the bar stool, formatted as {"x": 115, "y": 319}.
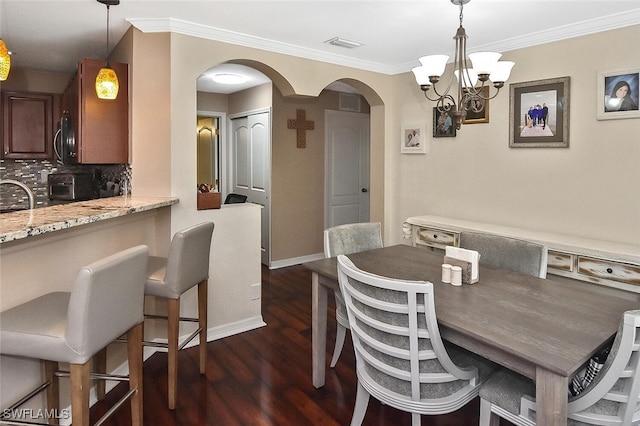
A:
{"x": 186, "y": 266}
{"x": 106, "y": 301}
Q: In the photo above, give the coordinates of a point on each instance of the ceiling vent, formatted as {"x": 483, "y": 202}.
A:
{"x": 343, "y": 42}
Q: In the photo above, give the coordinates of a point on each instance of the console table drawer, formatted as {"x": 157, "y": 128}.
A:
{"x": 437, "y": 237}
{"x": 560, "y": 261}
{"x": 609, "y": 270}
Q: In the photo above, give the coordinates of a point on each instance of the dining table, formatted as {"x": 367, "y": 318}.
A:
{"x": 545, "y": 329}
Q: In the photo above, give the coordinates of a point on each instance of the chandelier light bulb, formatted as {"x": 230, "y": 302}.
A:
{"x": 484, "y": 62}
{"x": 434, "y": 65}
{"x": 501, "y": 72}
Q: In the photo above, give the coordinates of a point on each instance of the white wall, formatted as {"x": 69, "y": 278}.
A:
{"x": 591, "y": 189}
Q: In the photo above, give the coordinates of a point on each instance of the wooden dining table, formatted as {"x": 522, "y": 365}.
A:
{"x": 544, "y": 329}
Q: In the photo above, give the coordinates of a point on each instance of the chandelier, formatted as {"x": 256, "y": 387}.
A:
{"x": 484, "y": 67}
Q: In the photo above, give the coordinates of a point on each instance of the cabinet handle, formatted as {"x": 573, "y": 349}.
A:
{"x": 609, "y": 270}
{"x": 435, "y": 236}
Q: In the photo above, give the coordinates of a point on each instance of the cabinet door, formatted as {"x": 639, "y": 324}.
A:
{"x": 28, "y": 124}
{"x": 104, "y": 124}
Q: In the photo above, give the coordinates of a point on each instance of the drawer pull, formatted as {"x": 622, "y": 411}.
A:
{"x": 435, "y": 236}
{"x": 609, "y": 270}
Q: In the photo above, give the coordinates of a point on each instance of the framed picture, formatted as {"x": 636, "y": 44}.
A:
{"x": 481, "y": 116}
{"x": 618, "y": 94}
{"x": 539, "y": 114}
{"x": 413, "y": 140}
{"x": 443, "y": 125}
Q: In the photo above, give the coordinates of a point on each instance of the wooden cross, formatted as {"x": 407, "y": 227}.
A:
{"x": 301, "y": 125}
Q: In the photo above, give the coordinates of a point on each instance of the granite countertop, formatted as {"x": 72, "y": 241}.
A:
{"x": 27, "y": 223}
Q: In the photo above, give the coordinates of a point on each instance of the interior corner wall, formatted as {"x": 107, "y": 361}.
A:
{"x": 590, "y": 189}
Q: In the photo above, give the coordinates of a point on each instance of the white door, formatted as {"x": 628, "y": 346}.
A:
{"x": 346, "y": 167}
{"x": 251, "y": 171}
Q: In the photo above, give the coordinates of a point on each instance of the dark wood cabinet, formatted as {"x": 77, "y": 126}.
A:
{"x": 101, "y": 126}
{"x": 28, "y": 124}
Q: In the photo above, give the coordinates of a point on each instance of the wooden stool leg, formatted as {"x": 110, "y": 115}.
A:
{"x": 173, "y": 311}
{"x": 202, "y": 320}
{"x": 134, "y": 349}
{"x": 53, "y": 391}
{"x": 80, "y": 385}
{"x": 100, "y": 366}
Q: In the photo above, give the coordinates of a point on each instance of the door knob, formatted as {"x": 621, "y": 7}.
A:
{"x": 365, "y": 190}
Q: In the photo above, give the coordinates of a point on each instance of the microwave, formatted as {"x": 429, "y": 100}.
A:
{"x": 70, "y": 186}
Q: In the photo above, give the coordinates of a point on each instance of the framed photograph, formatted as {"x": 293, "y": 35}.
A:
{"x": 443, "y": 125}
{"x": 618, "y": 94}
{"x": 539, "y": 114}
{"x": 481, "y": 116}
{"x": 413, "y": 140}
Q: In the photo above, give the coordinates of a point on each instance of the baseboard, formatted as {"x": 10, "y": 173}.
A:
{"x": 295, "y": 261}
{"x": 213, "y": 333}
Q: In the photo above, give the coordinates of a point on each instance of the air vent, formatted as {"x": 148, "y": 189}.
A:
{"x": 349, "y": 102}
{"x": 343, "y": 42}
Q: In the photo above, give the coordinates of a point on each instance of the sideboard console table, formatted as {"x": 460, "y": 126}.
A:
{"x": 601, "y": 262}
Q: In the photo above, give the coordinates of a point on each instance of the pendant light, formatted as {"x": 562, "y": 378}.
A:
{"x": 107, "y": 80}
{"x": 5, "y": 61}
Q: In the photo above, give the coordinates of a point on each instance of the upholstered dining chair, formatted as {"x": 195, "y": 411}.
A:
{"x": 347, "y": 239}
{"x": 106, "y": 301}
{"x": 186, "y": 266}
{"x": 612, "y": 398}
{"x": 401, "y": 360}
{"x": 507, "y": 253}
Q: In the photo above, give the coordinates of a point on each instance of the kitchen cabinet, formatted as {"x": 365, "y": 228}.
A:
{"x": 101, "y": 126}
{"x": 28, "y": 124}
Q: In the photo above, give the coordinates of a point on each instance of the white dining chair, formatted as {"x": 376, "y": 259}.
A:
{"x": 613, "y": 397}
{"x": 347, "y": 239}
{"x": 507, "y": 253}
{"x": 401, "y": 360}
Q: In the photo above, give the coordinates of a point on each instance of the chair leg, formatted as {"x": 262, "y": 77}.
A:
{"x": 173, "y": 311}
{"x": 360, "y": 409}
{"x": 53, "y": 391}
{"x": 80, "y": 385}
{"x": 341, "y": 333}
{"x": 487, "y": 418}
{"x": 202, "y": 320}
{"x": 415, "y": 419}
{"x": 100, "y": 366}
{"x": 134, "y": 349}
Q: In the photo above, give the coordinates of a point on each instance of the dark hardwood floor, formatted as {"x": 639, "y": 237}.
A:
{"x": 263, "y": 376}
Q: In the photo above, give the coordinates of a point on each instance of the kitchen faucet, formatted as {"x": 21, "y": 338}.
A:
{"x": 24, "y": 187}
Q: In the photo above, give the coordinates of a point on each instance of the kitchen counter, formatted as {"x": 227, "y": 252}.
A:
{"x": 27, "y": 223}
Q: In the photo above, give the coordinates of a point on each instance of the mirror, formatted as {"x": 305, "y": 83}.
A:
{"x": 208, "y": 150}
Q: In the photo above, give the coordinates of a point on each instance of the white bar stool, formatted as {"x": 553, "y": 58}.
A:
{"x": 186, "y": 266}
{"x": 106, "y": 301}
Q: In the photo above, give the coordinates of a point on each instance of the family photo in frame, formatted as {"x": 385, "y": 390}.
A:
{"x": 539, "y": 114}
{"x": 618, "y": 94}
{"x": 443, "y": 125}
{"x": 413, "y": 139}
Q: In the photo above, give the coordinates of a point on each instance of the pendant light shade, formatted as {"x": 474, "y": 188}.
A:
{"x": 107, "y": 80}
{"x": 107, "y": 83}
{"x": 5, "y": 61}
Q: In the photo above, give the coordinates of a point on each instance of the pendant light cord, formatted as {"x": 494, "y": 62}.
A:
{"x": 107, "y": 56}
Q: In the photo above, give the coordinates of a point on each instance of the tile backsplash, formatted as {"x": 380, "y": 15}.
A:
{"x": 33, "y": 173}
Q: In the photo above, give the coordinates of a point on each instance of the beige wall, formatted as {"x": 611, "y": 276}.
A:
{"x": 591, "y": 189}
{"x": 36, "y": 81}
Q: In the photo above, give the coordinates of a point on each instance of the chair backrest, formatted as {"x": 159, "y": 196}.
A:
{"x": 614, "y": 395}
{"x": 188, "y": 259}
{"x": 107, "y": 299}
{"x": 507, "y": 253}
{"x": 235, "y": 199}
{"x": 352, "y": 238}
{"x": 397, "y": 341}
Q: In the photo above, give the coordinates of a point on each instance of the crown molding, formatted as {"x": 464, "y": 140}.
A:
{"x": 604, "y": 23}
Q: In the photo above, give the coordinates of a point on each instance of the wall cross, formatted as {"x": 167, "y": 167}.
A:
{"x": 301, "y": 124}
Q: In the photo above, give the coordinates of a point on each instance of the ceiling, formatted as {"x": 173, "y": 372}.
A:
{"x": 52, "y": 35}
